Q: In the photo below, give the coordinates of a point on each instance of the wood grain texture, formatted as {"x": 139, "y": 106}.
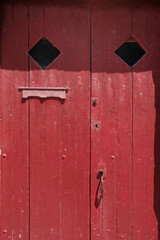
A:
{"x": 14, "y": 178}
{"x": 140, "y": 100}
{"x": 52, "y": 149}
{"x": 112, "y": 142}
{"x": 153, "y": 119}
{"x": 73, "y": 39}
{"x": 109, "y": 123}
{"x": 60, "y": 163}
{"x": 44, "y": 94}
{"x": 96, "y": 124}
{"x": 124, "y": 132}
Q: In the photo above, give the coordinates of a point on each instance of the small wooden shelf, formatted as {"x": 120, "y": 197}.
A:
{"x": 44, "y": 92}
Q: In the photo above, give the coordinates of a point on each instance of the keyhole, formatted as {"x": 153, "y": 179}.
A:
{"x": 96, "y": 125}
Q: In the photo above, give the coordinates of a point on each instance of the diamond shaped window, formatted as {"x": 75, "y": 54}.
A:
{"x": 43, "y": 52}
{"x": 130, "y": 52}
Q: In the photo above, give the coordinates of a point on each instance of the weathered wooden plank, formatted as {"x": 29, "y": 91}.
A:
{"x": 14, "y": 177}
{"x": 109, "y": 122}
{"x": 96, "y": 122}
{"x": 153, "y": 120}
{"x": 124, "y": 129}
{"x": 40, "y": 161}
{"x": 140, "y": 99}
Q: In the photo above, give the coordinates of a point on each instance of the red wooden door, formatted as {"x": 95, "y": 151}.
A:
{"x": 52, "y": 148}
{"x": 126, "y": 143}
{"x": 45, "y": 141}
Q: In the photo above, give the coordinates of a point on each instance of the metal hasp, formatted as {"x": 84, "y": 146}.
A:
{"x": 49, "y": 92}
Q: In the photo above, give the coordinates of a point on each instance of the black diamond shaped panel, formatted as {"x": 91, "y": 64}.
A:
{"x": 44, "y": 52}
{"x": 130, "y": 52}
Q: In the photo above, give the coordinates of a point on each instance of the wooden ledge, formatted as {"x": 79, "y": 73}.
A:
{"x": 44, "y": 92}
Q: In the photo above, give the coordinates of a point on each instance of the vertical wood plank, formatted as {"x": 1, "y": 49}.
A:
{"x": 96, "y": 122}
{"x": 153, "y": 130}
{"x": 140, "y": 100}
{"x": 109, "y": 121}
{"x": 124, "y": 131}
{"x": 124, "y": 145}
{"x": 14, "y": 66}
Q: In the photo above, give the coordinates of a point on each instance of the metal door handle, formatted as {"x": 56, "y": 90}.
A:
{"x": 101, "y": 172}
{"x": 102, "y": 187}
